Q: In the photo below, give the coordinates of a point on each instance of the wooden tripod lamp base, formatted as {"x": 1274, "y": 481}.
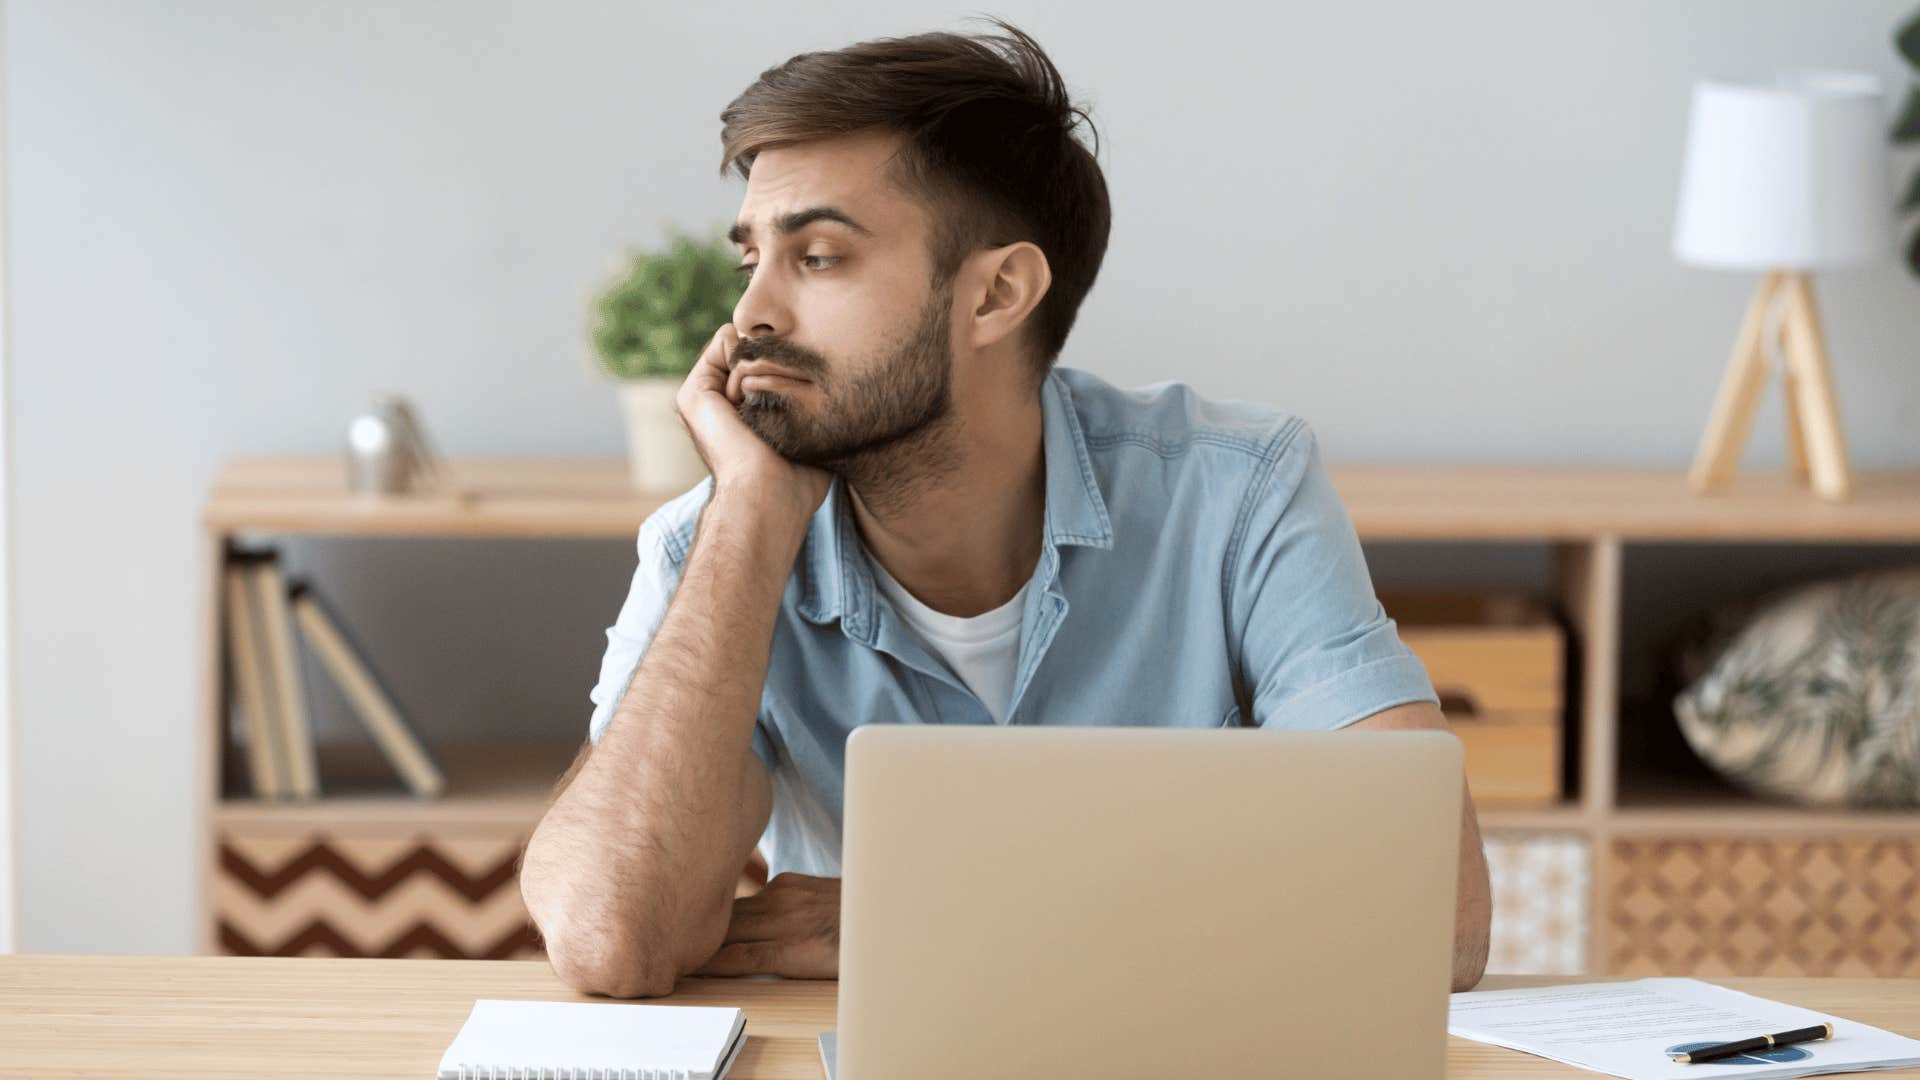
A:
{"x": 1816, "y": 447}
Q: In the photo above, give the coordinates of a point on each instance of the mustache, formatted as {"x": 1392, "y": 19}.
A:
{"x": 780, "y": 352}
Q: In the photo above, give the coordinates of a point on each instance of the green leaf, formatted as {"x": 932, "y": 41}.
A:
{"x": 1912, "y": 200}
{"x": 1907, "y": 128}
{"x": 1908, "y": 40}
{"x": 664, "y": 306}
{"x": 1913, "y": 252}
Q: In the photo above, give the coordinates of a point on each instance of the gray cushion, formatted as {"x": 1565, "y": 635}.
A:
{"x": 1816, "y": 697}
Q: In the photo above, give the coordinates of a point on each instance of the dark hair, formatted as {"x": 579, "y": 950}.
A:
{"x": 989, "y": 148}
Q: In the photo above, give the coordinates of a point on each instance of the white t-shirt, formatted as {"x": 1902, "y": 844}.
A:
{"x": 983, "y": 650}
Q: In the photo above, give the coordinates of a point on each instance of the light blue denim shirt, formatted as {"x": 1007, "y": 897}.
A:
{"x": 1197, "y": 570}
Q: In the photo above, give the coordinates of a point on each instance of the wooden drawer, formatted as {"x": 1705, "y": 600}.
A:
{"x": 1540, "y": 900}
{"x": 1759, "y": 905}
{"x": 1496, "y": 661}
{"x": 343, "y": 892}
{"x": 448, "y": 893}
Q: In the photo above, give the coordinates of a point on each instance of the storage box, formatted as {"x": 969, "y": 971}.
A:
{"x": 1496, "y": 660}
{"x": 1781, "y": 905}
{"x": 351, "y": 892}
{"x": 1541, "y": 884}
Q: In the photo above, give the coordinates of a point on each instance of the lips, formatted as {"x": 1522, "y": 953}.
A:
{"x": 752, "y": 368}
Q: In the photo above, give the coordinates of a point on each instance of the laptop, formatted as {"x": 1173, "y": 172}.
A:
{"x": 1146, "y": 902}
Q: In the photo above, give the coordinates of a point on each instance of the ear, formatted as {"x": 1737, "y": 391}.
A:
{"x": 1006, "y": 285}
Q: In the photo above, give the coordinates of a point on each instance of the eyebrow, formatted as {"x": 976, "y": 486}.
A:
{"x": 795, "y": 220}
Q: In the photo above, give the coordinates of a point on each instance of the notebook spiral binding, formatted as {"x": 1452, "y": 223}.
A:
{"x": 470, "y": 1071}
{"x": 563, "y": 1073}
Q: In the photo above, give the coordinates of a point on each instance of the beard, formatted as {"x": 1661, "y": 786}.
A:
{"x": 866, "y": 422}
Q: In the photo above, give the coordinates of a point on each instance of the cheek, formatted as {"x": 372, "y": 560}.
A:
{"x": 853, "y": 314}
{"x": 855, "y": 332}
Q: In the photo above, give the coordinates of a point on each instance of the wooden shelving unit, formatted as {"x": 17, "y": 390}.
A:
{"x": 367, "y": 869}
{"x": 1587, "y": 518}
{"x": 501, "y": 784}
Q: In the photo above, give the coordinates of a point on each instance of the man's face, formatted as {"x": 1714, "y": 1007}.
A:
{"x": 840, "y": 296}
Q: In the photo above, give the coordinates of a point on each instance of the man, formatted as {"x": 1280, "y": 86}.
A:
{"x": 915, "y": 517}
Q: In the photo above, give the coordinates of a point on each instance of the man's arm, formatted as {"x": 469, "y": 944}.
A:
{"x": 1319, "y": 651}
{"x": 630, "y": 874}
{"x": 1473, "y": 908}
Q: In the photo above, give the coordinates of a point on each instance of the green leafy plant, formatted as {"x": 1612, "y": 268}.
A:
{"x": 657, "y": 315}
{"x": 1907, "y": 128}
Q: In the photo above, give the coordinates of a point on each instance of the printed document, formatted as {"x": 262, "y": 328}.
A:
{"x": 1631, "y": 1029}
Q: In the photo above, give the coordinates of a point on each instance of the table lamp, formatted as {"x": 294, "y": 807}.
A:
{"x": 1785, "y": 173}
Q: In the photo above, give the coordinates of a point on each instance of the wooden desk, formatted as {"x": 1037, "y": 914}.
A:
{"x": 216, "y": 1017}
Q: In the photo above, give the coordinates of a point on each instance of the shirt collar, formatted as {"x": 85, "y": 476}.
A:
{"x": 836, "y": 581}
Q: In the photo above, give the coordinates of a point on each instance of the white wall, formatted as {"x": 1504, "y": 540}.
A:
{"x": 1439, "y": 231}
{"x": 6, "y": 561}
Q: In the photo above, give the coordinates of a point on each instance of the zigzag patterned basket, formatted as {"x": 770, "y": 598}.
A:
{"x": 337, "y": 893}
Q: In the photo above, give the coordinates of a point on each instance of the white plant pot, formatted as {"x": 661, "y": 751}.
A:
{"x": 660, "y": 453}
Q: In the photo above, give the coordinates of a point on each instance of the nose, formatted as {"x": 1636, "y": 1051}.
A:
{"x": 761, "y": 311}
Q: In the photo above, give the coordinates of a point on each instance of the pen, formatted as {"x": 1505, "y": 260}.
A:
{"x": 1758, "y": 1042}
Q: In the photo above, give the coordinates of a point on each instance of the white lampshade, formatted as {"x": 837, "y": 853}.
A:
{"x": 1789, "y": 171}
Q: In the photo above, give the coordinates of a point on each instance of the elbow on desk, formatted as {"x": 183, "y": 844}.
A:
{"x": 604, "y": 965}
{"x": 597, "y": 955}
{"x": 590, "y": 947}
{"x": 1471, "y": 947}
{"x": 1469, "y": 977}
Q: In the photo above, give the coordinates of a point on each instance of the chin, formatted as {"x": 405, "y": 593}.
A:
{"x": 769, "y": 409}
{"x": 779, "y": 424}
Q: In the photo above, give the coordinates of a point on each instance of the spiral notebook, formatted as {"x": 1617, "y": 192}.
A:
{"x": 577, "y": 1040}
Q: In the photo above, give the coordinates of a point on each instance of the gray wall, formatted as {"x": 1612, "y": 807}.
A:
{"x": 1438, "y": 231}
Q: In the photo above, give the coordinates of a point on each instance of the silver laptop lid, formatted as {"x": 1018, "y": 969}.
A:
{"x": 1147, "y": 902}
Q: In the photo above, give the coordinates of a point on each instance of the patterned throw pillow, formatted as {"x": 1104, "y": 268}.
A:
{"x": 1816, "y": 697}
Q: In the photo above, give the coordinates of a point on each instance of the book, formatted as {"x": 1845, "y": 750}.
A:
{"x": 288, "y": 692}
{"x": 573, "y": 1040}
{"x": 347, "y": 663}
{"x": 247, "y": 663}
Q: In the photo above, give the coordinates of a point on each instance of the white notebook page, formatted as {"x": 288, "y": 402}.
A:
{"x": 1632, "y": 1028}
{"x": 568, "y": 1038}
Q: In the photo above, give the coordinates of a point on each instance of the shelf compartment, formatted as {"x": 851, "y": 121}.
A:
{"x": 349, "y": 891}
{"x": 1495, "y": 659}
{"x": 1819, "y": 906}
{"x": 497, "y": 784}
{"x": 1541, "y": 895}
{"x": 1705, "y": 804}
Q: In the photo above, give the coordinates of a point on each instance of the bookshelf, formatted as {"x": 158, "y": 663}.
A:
{"x": 494, "y": 783}
{"x": 1633, "y": 824}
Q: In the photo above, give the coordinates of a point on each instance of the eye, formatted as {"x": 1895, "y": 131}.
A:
{"x": 745, "y": 270}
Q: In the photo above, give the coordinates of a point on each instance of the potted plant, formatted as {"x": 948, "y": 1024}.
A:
{"x": 648, "y": 329}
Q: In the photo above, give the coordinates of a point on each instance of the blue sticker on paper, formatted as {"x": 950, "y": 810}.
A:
{"x": 1752, "y": 1057}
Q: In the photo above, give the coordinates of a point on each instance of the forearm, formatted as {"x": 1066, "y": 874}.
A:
{"x": 630, "y": 874}
{"x": 1473, "y": 906}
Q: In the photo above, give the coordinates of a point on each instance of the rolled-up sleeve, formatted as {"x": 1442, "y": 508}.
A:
{"x": 1316, "y": 650}
{"x": 655, "y": 577}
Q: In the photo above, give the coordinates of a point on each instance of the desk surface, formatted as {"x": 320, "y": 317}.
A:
{"x": 242, "y": 1018}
